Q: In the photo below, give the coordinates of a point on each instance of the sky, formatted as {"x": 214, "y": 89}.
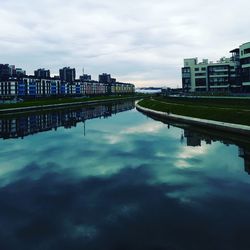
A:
{"x": 139, "y": 41}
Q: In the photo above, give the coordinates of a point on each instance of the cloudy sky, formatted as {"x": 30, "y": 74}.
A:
{"x": 139, "y": 41}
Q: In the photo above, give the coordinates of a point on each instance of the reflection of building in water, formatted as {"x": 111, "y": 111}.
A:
{"x": 182, "y": 138}
{"x": 35, "y": 123}
{"x": 245, "y": 154}
{"x": 194, "y": 139}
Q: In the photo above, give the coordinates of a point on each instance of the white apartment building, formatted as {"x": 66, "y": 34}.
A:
{"x": 245, "y": 65}
{"x": 226, "y": 75}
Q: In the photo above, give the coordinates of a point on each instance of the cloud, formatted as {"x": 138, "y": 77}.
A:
{"x": 138, "y": 41}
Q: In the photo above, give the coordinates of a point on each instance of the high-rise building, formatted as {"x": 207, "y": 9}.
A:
{"x": 67, "y": 74}
{"x": 12, "y": 70}
{"x": 4, "y": 72}
{"x": 105, "y": 78}
{"x": 42, "y": 73}
{"x": 7, "y": 71}
{"x": 227, "y": 74}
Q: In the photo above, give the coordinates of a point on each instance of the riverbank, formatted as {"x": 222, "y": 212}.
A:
{"x": 223, "y": 110}
{"x": 167, "y": 111}
{"x": 46, "y": 104}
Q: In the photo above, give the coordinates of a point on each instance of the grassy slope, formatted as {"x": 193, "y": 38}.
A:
{"x": 233, "y": 111}
{"x": 49, "y": 101}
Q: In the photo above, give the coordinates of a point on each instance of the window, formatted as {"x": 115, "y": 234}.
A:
{"x": 217, "y": 68}
{"x": 200, "y": 74}
{"x": 200, "y": 82}
{"x": 218, "y": 80}
{"x": 245, "y": 60}
{"x": 196, "y": 69}
{"x": 218, "y": 73}
{"x": 186, "y": 70}
{"x": 203, "y": 69}
{"x": 247, "y": 51}
{"x": 246, "y": 74}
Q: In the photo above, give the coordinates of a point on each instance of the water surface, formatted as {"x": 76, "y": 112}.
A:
{"x": 108, "y": 177}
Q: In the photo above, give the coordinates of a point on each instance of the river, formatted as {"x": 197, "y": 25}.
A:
{"x": 109, "y": 177}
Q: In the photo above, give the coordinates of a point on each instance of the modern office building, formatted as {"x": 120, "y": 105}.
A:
{"x": 226, "y": 75}
{"x": 67, "y": 74}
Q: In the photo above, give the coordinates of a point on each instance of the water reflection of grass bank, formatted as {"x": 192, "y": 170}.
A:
{"x": 224, "y": 110}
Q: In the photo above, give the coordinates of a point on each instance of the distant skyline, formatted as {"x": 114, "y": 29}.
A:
{"x": 139, "y": 41}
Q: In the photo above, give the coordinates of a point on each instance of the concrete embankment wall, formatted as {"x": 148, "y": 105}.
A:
{"x": 223, "y": 126}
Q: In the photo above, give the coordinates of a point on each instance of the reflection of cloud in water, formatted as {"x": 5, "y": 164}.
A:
{"x": 149, "y": 127}
{"x": 113, "y": 139}
{"x": 139, "y": 192}
{"x": 146, "y": 128}
{"x": 188, "y": 153}
{"x": 122, "y": 210}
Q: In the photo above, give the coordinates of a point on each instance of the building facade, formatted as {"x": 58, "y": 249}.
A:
{"x": 14, "y": 84}
{"x": 4, "y": 71}
{"x": 19, "y": 72}
{"x": 85, "y": 77}
{"x": 30, "y": 86}
{"x": 226, "y": 75}
{"x": 67, "y": 74}
{"x": 245, "y": 66}
{"x": 105, "y": 78}
{"x": 42, "y": 73}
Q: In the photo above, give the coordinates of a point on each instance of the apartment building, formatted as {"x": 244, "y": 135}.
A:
{"x": 226, "y": 75}
{"x": 245, "y": 65}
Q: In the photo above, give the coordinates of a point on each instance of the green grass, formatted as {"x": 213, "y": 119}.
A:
{"x": 221, "y": 103}
{"x": 232, "y": 111}
{"x": 63, "y": 100}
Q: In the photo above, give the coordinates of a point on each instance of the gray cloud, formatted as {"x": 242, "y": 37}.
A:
{"x": 138, "y": 41}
